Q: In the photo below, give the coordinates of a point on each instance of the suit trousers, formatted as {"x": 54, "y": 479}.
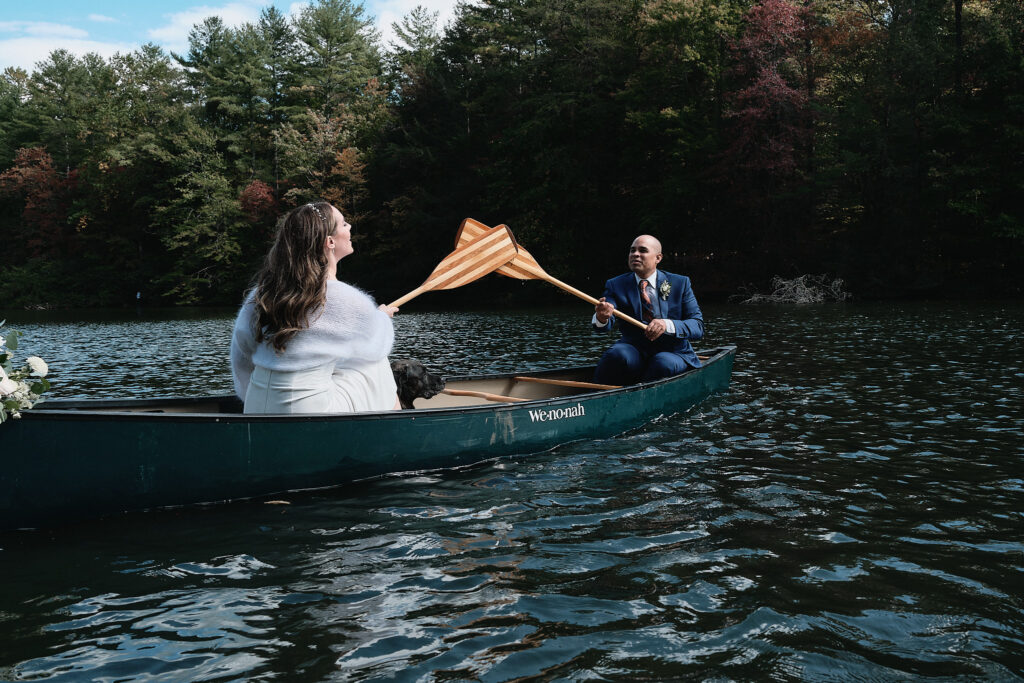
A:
{"x": 624, "y": 364}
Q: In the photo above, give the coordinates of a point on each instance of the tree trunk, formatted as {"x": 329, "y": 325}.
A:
{"x": 958, "y": 12}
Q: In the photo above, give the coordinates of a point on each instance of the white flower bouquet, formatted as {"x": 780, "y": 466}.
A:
{"x": 21, "y": 387}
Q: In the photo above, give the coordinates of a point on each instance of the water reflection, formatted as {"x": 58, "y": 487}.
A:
{"x": 849, "y": 510}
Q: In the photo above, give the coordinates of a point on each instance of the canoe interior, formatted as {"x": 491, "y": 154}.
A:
{"x": 507, "y": 386}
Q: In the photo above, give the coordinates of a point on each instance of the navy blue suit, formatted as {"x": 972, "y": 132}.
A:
{"x": 633, "y": 357}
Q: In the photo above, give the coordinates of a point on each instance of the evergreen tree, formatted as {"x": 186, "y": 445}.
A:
{"x": 130, "y": 180}
{"x": 244, "y": 101}
{"x": 13, "y": 93}
{"x": 280, "y": 62}
{"x": 205, "y": 63}
{"x": 58, "y": 91}
{"x": 675, "y": 133}
{"x": 418, "y": 39}
{"x": 338, "y": 55}
{"x": 201, "y": 223}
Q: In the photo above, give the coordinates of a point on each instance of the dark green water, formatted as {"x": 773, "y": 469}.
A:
{"x": 852, "y": 509}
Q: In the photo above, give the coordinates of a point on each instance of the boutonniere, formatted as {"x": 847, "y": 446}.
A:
{"x": 665, "y": 290}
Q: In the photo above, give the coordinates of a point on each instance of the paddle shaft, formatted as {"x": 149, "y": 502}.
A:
{"x": 566, "y": 383}
{"x": 482, "y": 394}
{"x": 586, "y": 297}
{"x": 411, "y": 295}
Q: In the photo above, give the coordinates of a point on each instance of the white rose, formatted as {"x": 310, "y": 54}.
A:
{"x": 7, "y": 385}
{"x": 38, "y": 366}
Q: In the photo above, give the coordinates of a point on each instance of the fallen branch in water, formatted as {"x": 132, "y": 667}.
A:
{"x": 806, "y": 289}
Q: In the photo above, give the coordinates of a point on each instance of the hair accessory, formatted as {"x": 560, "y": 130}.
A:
{"x": 318, "y": 211}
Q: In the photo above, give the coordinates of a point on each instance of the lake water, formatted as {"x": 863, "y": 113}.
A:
{"x": 851, "y": 509}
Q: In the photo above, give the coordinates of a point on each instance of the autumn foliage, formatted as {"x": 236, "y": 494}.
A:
{"x": 44, "y": 196}
{"x": 258, "y": 201}
{"x": 770, "y": 120}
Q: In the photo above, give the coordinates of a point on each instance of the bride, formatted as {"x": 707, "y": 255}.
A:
{"x": 304, "y": 342}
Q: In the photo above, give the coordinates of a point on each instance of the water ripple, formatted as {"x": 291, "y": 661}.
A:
{"x": 850, "y": 510}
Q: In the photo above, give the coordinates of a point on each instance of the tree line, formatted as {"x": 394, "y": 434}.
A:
{"x": 881, "y": 141}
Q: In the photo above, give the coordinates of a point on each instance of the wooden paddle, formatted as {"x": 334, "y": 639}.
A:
{"x": 524, "y": 267}
{"x": 471, "y": 260}
{"x": 482, "y": 394}
{"x": 567, "y": 383}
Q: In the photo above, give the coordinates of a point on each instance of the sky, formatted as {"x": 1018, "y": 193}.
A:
{"x": 31, "y": 29}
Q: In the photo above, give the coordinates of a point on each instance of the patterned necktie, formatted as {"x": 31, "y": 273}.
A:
{"x": 645, "y": 302}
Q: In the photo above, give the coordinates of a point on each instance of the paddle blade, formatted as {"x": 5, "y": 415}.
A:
{"x": 473, "y": 260}
{"x": 469, "y": 230}
{"x": 470, "y": 261}
{"x": 523, "y": 267}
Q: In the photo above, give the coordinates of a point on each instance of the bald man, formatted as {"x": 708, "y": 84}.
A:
{"x": 665, "y": 302}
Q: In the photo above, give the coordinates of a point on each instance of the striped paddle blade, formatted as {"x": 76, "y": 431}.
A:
{"x": 522, "y": 267}
{"x": 525, "y": 267}
{"x": 470, "y": 261}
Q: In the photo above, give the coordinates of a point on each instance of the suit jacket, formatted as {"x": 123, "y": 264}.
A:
{"x": 679, "y": 306}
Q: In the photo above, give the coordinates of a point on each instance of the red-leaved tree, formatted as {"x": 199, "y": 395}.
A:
{"x": 771, "y": 121}
{"x": 258, "y": 201}
{"x": 768, "y": 145}
{"x": 45, "y": 194}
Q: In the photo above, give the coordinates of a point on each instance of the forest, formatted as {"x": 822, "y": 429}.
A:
{"x": 877, "y": 141}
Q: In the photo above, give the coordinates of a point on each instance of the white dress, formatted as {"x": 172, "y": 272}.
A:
{"x": 325, "y": 389}
{"x": 339, "y": 364}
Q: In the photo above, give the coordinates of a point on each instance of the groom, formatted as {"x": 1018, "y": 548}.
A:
{"x": 665, "y": 302}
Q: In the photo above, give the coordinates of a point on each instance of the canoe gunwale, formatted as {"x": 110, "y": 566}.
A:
{"x": 81, "y": 409}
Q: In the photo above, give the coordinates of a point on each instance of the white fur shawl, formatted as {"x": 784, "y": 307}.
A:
{"x": 350, "y": 331}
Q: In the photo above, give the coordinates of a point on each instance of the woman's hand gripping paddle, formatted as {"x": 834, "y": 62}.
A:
{"x": 472, "y": 259}
{"x": 524, "y": 267}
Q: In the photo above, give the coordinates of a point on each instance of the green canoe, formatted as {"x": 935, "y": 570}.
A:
{"x": 69, "y": 460}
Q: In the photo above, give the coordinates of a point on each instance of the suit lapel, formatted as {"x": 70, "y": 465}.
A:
{"x": 633, "y": 293}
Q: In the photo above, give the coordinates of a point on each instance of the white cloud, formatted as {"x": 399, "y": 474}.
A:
{"x": 173, "y": 36}
{"x": 103, "y": 19}
{"x": 25, "y": 43}
{"x": 26, "y": 52}
{"x": 44, "y": 29}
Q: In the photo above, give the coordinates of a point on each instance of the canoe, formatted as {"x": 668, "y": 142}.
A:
{"x": 68, "y": 460}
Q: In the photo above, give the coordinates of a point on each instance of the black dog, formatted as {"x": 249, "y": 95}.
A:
{"x": 414, "y": 381}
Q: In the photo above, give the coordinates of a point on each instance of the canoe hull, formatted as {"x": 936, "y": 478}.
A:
{"x": 64, "y": 465}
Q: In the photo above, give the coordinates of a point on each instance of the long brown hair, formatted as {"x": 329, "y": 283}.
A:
{"x": 292, "y": 283}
